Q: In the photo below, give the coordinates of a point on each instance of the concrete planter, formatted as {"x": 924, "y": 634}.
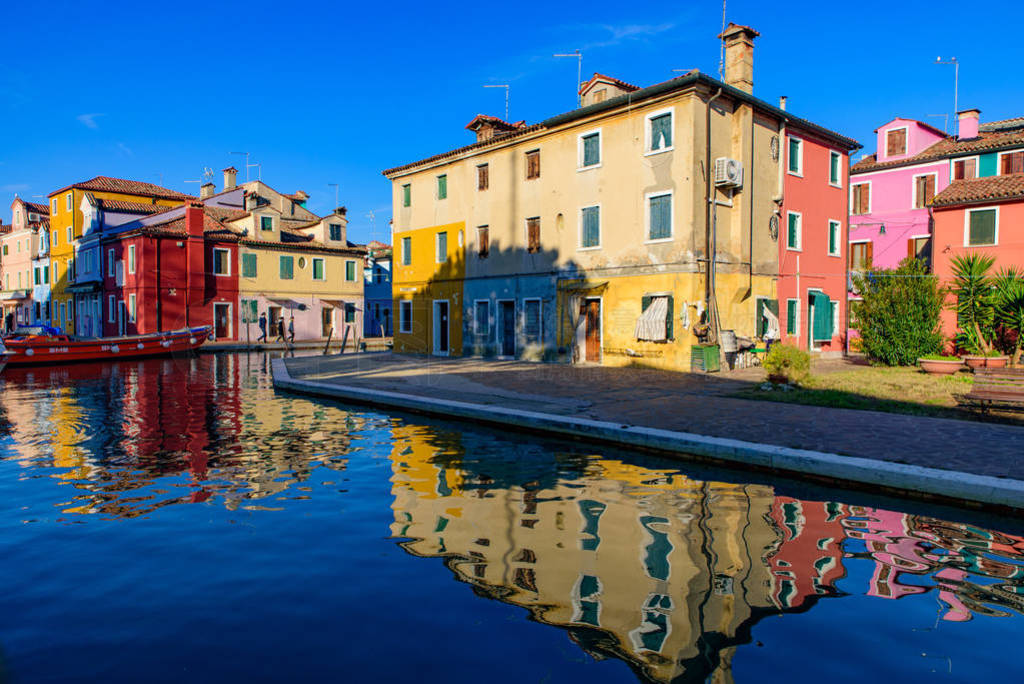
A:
{"x": 940, "y": 366}
{"x": 986, "y": 361}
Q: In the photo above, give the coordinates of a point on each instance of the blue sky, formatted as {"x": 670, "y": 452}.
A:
{"x": 322, "y": 92}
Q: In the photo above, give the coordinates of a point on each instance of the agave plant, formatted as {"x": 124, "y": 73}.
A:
{"x": 1009, "y": 306}
{"x": 975, "y": 298}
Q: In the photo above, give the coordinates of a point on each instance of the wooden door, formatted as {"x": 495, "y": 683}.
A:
{"x": 326, "y": 321}
{"x": 508, "y": 328}
{"x": 221, "y": 320}
{"x": 593, "y": 330}
{"x": 441, "y": 328}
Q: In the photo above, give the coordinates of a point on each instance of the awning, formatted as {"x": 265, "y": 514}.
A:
{"x": 340, "y": 303}
{"x": 581, "y": 286}
{"x": 83, "y": 288}
{"x": 14, "y": 295}
{"x": 288, "y": 303}
{"x": 652, "y": 323}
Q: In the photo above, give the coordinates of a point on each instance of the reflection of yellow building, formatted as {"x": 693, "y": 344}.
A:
{"x": 640, "y": 563}
{"x": 429, "y": 268}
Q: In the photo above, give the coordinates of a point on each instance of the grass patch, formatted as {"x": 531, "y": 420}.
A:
{"x": 892, "y": 390}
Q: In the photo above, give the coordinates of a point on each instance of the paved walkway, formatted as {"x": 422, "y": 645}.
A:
{"x": 683, "y": 402}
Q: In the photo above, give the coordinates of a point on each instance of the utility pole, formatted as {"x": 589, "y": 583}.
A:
{"x": 579, "y": 72}
{"x": 956, "y": 84}
{"x": 506, "y": 87}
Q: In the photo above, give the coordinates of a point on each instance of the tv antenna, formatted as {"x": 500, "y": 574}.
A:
{"x": 372, "y": 215}
{"x": 721, "y": 58}
{"x": 207, "y": 177}
{"x": 259, "y": 168}
{"x": 956, "y": 82}
{"x": 579, "y": 72}
{"x": 506, "y": 87}
{"x": 945, "y": 121}
{"x": 335, "y": 186}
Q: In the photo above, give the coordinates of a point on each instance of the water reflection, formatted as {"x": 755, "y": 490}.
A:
{"x": 668, "y": 573}
{"x": 633, "y": 557}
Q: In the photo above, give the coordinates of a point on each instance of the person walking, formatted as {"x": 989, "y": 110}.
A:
{"x": 291, "y": 330}
{"x": 280, "y": 330}
{"x": 263, "y": 328}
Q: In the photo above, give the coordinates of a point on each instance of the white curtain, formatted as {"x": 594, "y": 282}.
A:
{"x": 651, "y": 324}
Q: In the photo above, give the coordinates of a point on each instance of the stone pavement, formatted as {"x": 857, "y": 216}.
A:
{"x": 682, "y": 402}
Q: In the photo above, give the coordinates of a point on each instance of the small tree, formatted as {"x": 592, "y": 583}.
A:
{"x": 898, "y": 318}
{"x": 1009, "y": 308}
{"x": 975, "y": 302}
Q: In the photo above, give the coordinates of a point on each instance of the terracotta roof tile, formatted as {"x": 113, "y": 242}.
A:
{"x": 127, "y": 187}
{"x": 494, "y": 121}
{"x": 131, "y": 207}
{"x": 949, "y": 147}
{"x": 1005, "y": 124}
{"x": 981, "y": 190}
{"x": 586, "y": 85}
{"x": 35, "y": 208}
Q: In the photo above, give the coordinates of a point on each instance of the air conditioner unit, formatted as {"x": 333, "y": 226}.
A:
{"x": 728, "y": 172}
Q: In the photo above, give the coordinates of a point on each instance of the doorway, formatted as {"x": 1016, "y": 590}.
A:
{"x": 441, "y": 327}
{"x": 507, "y": 328}
{"x": 326, "y": 321}
{"x": 222, "y": 321}
{"x": 121, "y": 318}
{"x": 273, "y": 316}
{"x": 592, "y": 340}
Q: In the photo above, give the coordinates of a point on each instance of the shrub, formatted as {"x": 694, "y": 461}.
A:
{"x": 789, "y": 362}
{"x": 940, "y": 357}
{"x": 898, "y": 318}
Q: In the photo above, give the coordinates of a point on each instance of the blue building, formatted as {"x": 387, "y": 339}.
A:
{"x": 377, "y": 318}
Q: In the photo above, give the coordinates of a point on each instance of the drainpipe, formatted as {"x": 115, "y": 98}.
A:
{"x": 779, "y": 201}
{"x": 750, "y": 224}
{"x": 710, "y": 214}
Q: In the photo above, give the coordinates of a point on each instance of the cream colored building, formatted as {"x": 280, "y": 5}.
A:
{"x": 579, "y": 228}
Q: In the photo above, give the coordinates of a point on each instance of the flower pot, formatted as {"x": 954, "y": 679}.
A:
{"x": 777, "y": 379}
{"x": 985, "y": 361}
{"x": 940, "y": 366}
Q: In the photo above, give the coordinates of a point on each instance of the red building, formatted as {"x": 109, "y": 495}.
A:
{"x": 812, "y": 241}
{"x": 172, "y": 270}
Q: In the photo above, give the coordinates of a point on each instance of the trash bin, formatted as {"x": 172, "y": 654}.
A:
{"x": 704, "y": 358}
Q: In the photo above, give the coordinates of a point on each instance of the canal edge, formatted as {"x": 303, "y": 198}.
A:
{"x": 950, "y": 486}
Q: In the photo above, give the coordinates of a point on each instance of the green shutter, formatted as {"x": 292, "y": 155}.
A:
{"x": 287, "y": 268}
{"x": 792, "y": 310}
{"x": 833, "y": 169}
{"x": 591, "y": 227}
{"x": 406, "y": 195}
{"x": 822, "y": 324}
{"x": 761, "y": 321}
{"x": 406, "y": 251}
{"x": 983, "y": 227}
{"x": 661, "y": 132}
{"x": 592, "y": 149}
{"x": 832, "y": 237}
{"x": 318, "y": 269}
{"x": 668, "y": 319}
{"x": 794, "y": 155}
{"x": 442, "y": 187}
{"x": 793, "y": 233}
{"x": 248, "y": 265}
{"x": 661, "y": 217}
{"x": 988, "y": 165}
{"x": 266, "y": 223}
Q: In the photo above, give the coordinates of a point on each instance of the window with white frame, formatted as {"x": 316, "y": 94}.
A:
{"x": 794, "y": 230}
{"x": 406, "y": 251}
{"x": 110, "y": 263}
{"x": 405, "y": 316}
{"x": 835, "y": 170}
{"x": 131, "y": 307}
{"x": 54, "y": 209}
{"x": 659, "y": 216}
{"x": 896, "y": 142}
{"x": 793, "y": 317}
{"x": 981, "y": 227}
{"x": 68, "y": 201}
{"x": 795, "y": 161}
{"x": 590, "y": 149}
{"x": 590, "y": 227}
{"x": 482, "y": 317}
{"x": 835, "y": 232}
{"x": 924, "y": 190}
{"x": 441, "y": 243}
{"x": 533, "y": 328}
{"x": 131, "y": 258}
{"x": 221, "y": 261}
{"x": 110, "y": 308}
{"x": 659, "y": 131}
{"x": 318, "y": 269}
{"x": 860, "y": 199}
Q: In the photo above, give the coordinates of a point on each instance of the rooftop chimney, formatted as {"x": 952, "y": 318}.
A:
{"x": 739, "y": 56}
{"x": 967, "y": 126}
{"x": 194, "y": 219}
{"x": 782, "y": 102}
{"x": 206, "y": 190}
{"x": 229, "y": 178}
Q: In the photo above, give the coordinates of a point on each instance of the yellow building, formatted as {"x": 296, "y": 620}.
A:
{"x": 67, "y": 223}
{"x": 621, "y": 232}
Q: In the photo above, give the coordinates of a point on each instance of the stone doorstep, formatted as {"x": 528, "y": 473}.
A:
{"x": 921, "y": 482}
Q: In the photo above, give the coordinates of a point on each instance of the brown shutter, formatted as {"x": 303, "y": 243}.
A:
{"x": 1005, "y": 165}
{"x": 484, "y": 237}
{"x": 533, "y": 235}
{"x": 533, "y": 164}
{"x": 911, "y": 250}
{"x": 929, "y": 189}
{"x": 868, "y": 254}
{"x": 896, "y": 142}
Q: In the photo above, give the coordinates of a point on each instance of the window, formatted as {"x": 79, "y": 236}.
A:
{"x": 793, "y": 317}
{"x": 221, "y": 261}
{"x": 532, "y": 164}
{"x": 442, "y": 247}
{"x": 350, "y": 312}
{"x": 249, "y": 265}
{"x": 761, "y": 319}
{"x": 55, "y": 241}
{"x": 131, "y": 308}
{"x": 982, "y": 227}
{"x": 46, "y": 274}
{"x": 924, "y": 190}
{"x": 860, "y": 255}
{"x": 590, "y": 227}
{"x": 350, "y": 271}
{"x": 483, "y": 241}
{"x": 482, "y": 318}
{"x": 334, "y": 231}
{"x": 36, "y": 274}
{"x": 655, "y": 322}
{"x": 406, "y": 251}
{"x": 71, "y": 235}
{"x": 533, "y": 234}
{"x": 796, "y": 156}
{"x": 835, "y": 230}
{"x": 318, "y": 268}
{"x": 67, "y": 200}
{"x": 5, "y": 249}
{"x": 405, "y": 316}
{"x": 483, "y": 180}
{"x": 407, "y": 195}
{"x": 533, "y": 329}
{"x": 266, "y": 223}
{"x": 861, "y": 201}
{"x": 590, "y": 150}
{"x": 659, "y": 216}
{"x": 131, "y": 258}
{"x": 287, "y": 267}
{"x": 835, "y": 176}
{"x": 920, "y": 248}
{"x": 71, "y": 311}
{"x": 442, "y": 186}
{"x": 896, "y": 142}
{"x": 110, "y": 263}
{"x": 965, "y": 169}
{"x": 54, "y": 207}
{"x": 793, "y": 230}
{"x": 659, "y": 131}
{"x": 1011, "y": 162}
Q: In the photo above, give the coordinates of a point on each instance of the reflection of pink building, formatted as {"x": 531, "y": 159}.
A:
{"x": 809, "y": 560}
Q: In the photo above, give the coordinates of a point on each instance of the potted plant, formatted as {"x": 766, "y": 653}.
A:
{"x": 940, "y": 364}
{"x": 991, "y": 359}
{"x": 1009, "y": 309}
{"x": 977, "y": 307}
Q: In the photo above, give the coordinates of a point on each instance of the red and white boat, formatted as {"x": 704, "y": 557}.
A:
{"x": 33, "y": 349}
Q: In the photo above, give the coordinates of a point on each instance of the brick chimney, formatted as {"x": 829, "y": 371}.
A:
{"x": 968, "y": 121}
{"x": 206, "y": 190}
{"x": 194, "y": 215}
{"x": 739, "y": 56}
{"x": 230, "y": 174}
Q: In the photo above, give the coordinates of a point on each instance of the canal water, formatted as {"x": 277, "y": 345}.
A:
{"x": 178, "y": 520}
